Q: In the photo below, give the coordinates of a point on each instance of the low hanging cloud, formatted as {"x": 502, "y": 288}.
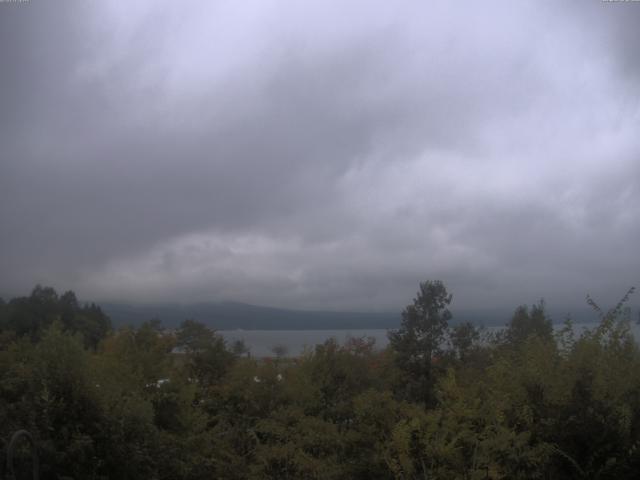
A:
{"x": 320, "y": 155}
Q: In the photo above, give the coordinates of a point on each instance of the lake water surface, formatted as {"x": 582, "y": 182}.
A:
{"x": 261, "y": 342}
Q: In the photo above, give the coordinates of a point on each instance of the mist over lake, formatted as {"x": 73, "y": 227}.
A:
{"x": 296, "y": 342}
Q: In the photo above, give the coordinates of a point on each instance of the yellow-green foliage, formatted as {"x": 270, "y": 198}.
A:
{"x": 526, "y": 404}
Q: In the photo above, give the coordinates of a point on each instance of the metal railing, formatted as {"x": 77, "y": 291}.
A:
{"x": 7, "y": 469}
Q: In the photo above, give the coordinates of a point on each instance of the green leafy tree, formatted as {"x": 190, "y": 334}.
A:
{"x": 526, "y": 322}
{"x": 420, "y": 339}
{"x": 207, "y": 357}
{"x": 31, "y": 316}
{"x": 464, "y": 339}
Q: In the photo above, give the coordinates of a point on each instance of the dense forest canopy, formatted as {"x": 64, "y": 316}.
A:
{"x": 440, "y": 401}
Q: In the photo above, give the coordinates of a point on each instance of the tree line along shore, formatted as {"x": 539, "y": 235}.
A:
{"x": 440, "y": 401}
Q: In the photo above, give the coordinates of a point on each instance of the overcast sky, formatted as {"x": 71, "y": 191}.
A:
{"x": 320, "y": 154}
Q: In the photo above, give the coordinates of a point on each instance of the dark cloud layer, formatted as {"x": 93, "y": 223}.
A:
{"x": 329, "y": 156}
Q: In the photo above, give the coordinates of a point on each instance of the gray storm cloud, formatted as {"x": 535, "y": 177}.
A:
{"x": 318, "y": 154}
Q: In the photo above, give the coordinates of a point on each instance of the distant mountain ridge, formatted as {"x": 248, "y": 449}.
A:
{"x": 227, "y": 315}
{"x": 232, "y": 316}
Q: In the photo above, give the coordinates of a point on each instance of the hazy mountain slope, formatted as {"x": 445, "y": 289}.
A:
{"x": 229, "y": 316}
